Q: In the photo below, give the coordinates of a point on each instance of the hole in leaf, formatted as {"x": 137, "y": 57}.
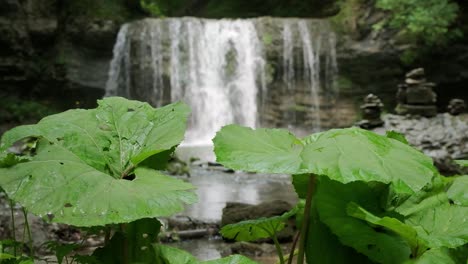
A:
{"x": 61, "y": 163}
{"x": 370, "y": 246}
{"x": 451, "y": 201}
{"x": 130, "y": 110}
{"x": 379, "y": 229}
{"x": 129, "y": 177}
{"x": 67, "y": 205}
{"x": 105, "y": 149}
{"x": 50, "y": 216}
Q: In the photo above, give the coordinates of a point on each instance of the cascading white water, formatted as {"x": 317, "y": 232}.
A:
{"x": 218, "y": 67}
{"x": 120, "y": 57}
{"x": 311, "y": 55}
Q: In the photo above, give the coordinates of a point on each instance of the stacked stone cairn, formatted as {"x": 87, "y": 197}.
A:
{"x": 371, "y": 111}
{"x": 415, "y": 97}
{"x": 456, "y": 106}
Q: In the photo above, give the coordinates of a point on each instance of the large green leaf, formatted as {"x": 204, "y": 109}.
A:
{"x": 417, "y": 244}
{"x": 86, "y": 159}
{"x": 458, "y": 190}
{"x": 112, "y": 138}
{"x": 445, "y": 225}
{"x": 397, "y": 136}
{"x": 345, "y": 155}
{"x": 354, "y": 154}
{"x": 324, "y": 247}
{"x": 170, "y": 255}
{"x": 251, "y": 230}
{"x": 234, "y": 259}
{"x": 261, "y": 150}
{"x": 431, "y": 214}
{"x": 443, "y": 256}
{"x": 380, "y": 245}
{"x": 463, "y": 163}
{"x": 432, "y": 195}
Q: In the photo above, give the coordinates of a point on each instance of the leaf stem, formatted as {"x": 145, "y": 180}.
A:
{"x": 13, "y": 226}
{"x": 127, "y": 171}
{"x": 26, "y": 222}
{"x": 278, "y": 248}
{"x": 305, "y": 221}
{"x": 293, "y": 247}
{"x": 107, "y": 235}
{"x": 125, "y": 256}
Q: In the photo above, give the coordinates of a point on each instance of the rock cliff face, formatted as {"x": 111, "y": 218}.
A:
{"x": 49, "y": 51}
{"x": 371, "y": 61}
{"x": 46, "y": 53}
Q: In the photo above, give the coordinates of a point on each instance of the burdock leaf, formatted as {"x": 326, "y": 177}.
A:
{"x": 86, "y": 168}
{"x": 344, "y": 155}
{"x": 251, "y": 230}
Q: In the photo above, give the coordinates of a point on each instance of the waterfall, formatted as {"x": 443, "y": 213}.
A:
{"x": 222, "y": 69}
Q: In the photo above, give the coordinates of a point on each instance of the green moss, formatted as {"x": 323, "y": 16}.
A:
{"x": 346, "y": 20}
{"x": 267, "y": 39}
{"x": 255, "y": 8}
{"x": 20, "y": 110}
{"x": 102, "y": 9}
{"x": 231, "y": 63}
{"x": 344, "y": 84}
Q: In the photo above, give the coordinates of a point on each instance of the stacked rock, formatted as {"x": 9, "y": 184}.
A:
{"x": 456, "y": 106}
{"x": 371, "y": 111}
{"x": 415, "y": 96}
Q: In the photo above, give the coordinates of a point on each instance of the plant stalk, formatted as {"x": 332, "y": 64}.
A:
{"x": 305, "y": 221}
{"x": 293, "y": 247}
{"x": 127, "y": 171}
{"x": 278, "y": 248}
{"x": 13, "y": 226}
{"x": 125, "y": 245}
{"x": 107, "y": 235}
{"x": 26, "y": 222}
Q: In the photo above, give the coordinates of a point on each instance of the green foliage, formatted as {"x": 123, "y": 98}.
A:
{"x": 93, "y": 157}
{"x": 238, "y": 8}
{"x": 18, "y": 110}
{"x": 174, "y": 255}
{"x": 428, "y": 20}
{"x": 151, "y": 7}
{"x": 251, "y": 230}
{"x": 140, "y": 234}
{"x": 397, "y": 136}
{"x": 324, "y": 247}
{"x": 463, "y": 163}
{"x": 61, "y": 250}
{"x": 376, "y": 199}
{"x": 100, "y": 168}
{"x": 8, "y": 254}
{"x": 117, "y": 10}
{"x": 345, "y": 155}
{"x": 169, "y": 255}
{"x": 162, "y": 8}
{"x": 457, "y": 192}
{"x": 332, "y": 200}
